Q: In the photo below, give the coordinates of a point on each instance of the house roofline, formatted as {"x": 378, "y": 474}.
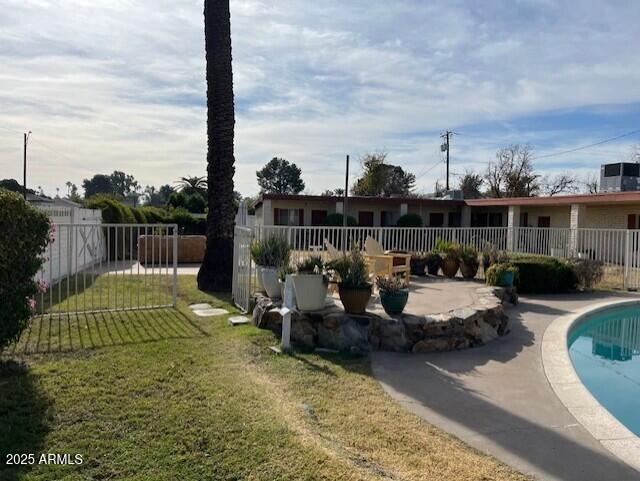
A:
{"x": 563, "y": 200}
{"x": 364, "y": 199}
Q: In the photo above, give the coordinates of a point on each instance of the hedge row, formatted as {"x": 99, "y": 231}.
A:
{"x": 543, "y": 275}
{"x": 115, "y": 212}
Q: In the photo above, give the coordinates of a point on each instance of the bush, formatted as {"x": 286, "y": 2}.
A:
{"x": 273, "y": 251}
{"x": 543, "y": 275}
{"x": 140, "y": 216}
{"x": 337, "y": 220}
{"x": 113, "y": 211}
{"x": 495, "y": 274}
{"x": 187, "y": 224}
{"x": 351, "y": 269}
{"x": 588, "y": 272}
{"x": 196, "y": 204}
{"x": 410, "y": 220}
{"x": 153, "y": 215}
{"x": 25, "y": 236}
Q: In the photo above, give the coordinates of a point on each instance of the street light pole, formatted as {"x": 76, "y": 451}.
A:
{"x": 24, "y": 180}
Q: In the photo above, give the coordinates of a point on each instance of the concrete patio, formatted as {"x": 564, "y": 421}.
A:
{"x": 497, "y": 397}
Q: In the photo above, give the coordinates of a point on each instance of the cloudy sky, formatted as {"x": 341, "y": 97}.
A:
{"x": 119, "y": 84}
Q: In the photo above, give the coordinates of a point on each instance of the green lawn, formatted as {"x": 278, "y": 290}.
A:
{"x": 163, "y": 395}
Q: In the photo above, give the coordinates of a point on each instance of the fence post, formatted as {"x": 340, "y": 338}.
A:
{"x": 627, "y": 259}
{"x": 175, "y": 265}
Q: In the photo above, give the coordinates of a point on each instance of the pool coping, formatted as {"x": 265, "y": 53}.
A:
{"x": 559, "y": 370}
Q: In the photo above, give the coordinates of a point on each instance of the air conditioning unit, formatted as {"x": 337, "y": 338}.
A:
{"x": 620, "y": 177}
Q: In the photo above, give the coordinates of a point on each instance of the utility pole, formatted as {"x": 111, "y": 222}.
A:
{"x": 346, "y": 195}
{"x": 445, "y": 147}
{"x": 24, "y": 180}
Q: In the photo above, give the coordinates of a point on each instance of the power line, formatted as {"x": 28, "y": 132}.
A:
{"x": 429, "y": 169}
{"x": 587, "y": 146}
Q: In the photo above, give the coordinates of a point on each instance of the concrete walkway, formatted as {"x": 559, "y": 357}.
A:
{"x": 497, "y": 398}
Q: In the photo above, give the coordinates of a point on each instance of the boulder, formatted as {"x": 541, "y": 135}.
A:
{"x": 303, "y": 332}
{"x": 414, "y": 327}
{"x": 393, "y": 336}
{"x": 435, "y": 344}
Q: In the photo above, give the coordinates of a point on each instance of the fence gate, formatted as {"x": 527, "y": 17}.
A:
{"x": 108, "y": 267}
{"x": 243, "y": 271}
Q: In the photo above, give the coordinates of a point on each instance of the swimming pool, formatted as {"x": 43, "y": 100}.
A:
{"x": 605, "y": 351}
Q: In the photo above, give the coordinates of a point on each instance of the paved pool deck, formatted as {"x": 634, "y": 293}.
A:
{"x": 497, "y": 398}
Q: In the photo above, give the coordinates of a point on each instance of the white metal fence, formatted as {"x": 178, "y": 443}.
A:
{"x": 108, "y": 267}
{"x": 619, "y": 250}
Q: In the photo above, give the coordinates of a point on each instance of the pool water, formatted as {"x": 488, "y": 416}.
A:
{"x": 605, "y": 352}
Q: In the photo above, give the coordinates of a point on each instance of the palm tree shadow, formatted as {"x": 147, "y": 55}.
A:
{"x": 24, "y": 410}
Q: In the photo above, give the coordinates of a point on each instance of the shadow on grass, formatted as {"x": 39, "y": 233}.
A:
{"x": 73, "y": 332}
{"x": 23, "y": 413}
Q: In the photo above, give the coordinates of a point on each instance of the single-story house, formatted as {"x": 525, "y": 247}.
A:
{"x": 609, "y": 210}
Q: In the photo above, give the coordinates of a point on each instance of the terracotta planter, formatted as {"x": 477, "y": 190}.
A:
{"x": 450, "y": 267}
{"x": 394, "y": 302}
{"x": 311, "y": 291}
{"x": 270, "y": 282}
{"x": 354, "y": 299}
{"x": 469, "y": 270}
{"x": 433, "y": 266}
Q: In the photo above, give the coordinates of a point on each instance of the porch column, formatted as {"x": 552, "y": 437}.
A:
{"x": 577, "y": 221}
{"x": 339, "y": 207}
{"x": 267, "y": 213}
{"x": 513, "y": 222}
{"x": 465, "y": 216}
{"x": 404, "y": 209}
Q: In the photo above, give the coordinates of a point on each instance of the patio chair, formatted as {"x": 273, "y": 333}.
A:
{"x": 390, "y": 263}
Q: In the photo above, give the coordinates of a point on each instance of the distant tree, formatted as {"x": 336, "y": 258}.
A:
{"x": 122, "y": 184}
{"x": 590, "y": 184}
{"x": 511, "y": 175}
{"x": 333, "y": 193}
{"x": 14, "y": 186}
{"x": 559, "y": 184}
{"x": 280, "y": 177}
{"x": 193, "y": 185}
{"x": 470, "y": 185}
{"x": 195, "y": 203}
{"x": 158, "y": 197}
{"x": 72, "y": 192}
{"x": 98, "y": 184}
{"x": 381, "y": 179}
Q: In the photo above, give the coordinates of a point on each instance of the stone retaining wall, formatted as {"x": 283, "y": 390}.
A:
{"x": 334, "y": 329}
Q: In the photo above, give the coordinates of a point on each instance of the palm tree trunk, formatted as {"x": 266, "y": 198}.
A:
{"x": 216, "y": 270}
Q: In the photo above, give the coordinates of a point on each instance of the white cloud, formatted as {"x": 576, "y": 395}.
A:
{"x": 110, "y": 85}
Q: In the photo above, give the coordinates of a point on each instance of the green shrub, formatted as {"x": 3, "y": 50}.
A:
{"x": 311, "y": 265}
{"x": 196, "y": 204}
{"x": 273, "y": 251}
{"x": 154, "y": 215}
{"x": 448, "y": 249}
{"x": 187, "y": 224}
{"x": 140, "y": 216}
{"x": 337, "y": 220}
{"x": 410, "y": 220}
{"x": 495, "y": 274}
{"x": 177, "y": 200}
{"x": 25, "y": 236}
{"x": 588, "y": 272}
{"x": 350, "y": 270}
{"x": 543, "y": 275}
{"x": 113, "y": 211}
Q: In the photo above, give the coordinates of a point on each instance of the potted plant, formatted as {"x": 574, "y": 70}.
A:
{"x": 283, "y": 273}
{"x": 469, "y": 262}
{"x": 434, "y": 263}
{"x": 394, "y": 294}
{"x": 450, "y": 253}
{"x": 503, "y": 275}
{"x": 352, "y": 275}
{"x": 310, "y": 284}
{"x": 269, "y": 255}
{"x": 491, "y": 255}
{"x": 418, "y": 265}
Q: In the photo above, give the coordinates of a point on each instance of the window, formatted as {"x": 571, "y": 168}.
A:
{"x": 495, "y": 219}
{"x": 612, "y": 170}
{"x": 436, "y": 219}
{"x": 632, "y": 222}
{"x": 479, "y": 220}
{"x": 455, "y": 219}
{"x": 524, "y": 219}
{"x": 291, "y": 217}
{"x": 365, "y": 219}
{"x": 386, "y": 219}
{"x": 631, "y": 170}
{"x": 318, "y": 217}
{"x": 544, "y": 221}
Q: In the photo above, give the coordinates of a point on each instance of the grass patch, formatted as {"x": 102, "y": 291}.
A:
{"x": 164, "y": 395}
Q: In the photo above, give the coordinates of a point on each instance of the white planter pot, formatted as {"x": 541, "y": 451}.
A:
{"x": 270, "y": 282}
{"x": 282, "y": 284}
{"x": 311, "y": 291}
{"x": 259, "y": 278}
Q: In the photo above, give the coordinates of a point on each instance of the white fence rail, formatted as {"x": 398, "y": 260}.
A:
{"x": 619, "y": 250}
{"x": 109, "y": 267}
